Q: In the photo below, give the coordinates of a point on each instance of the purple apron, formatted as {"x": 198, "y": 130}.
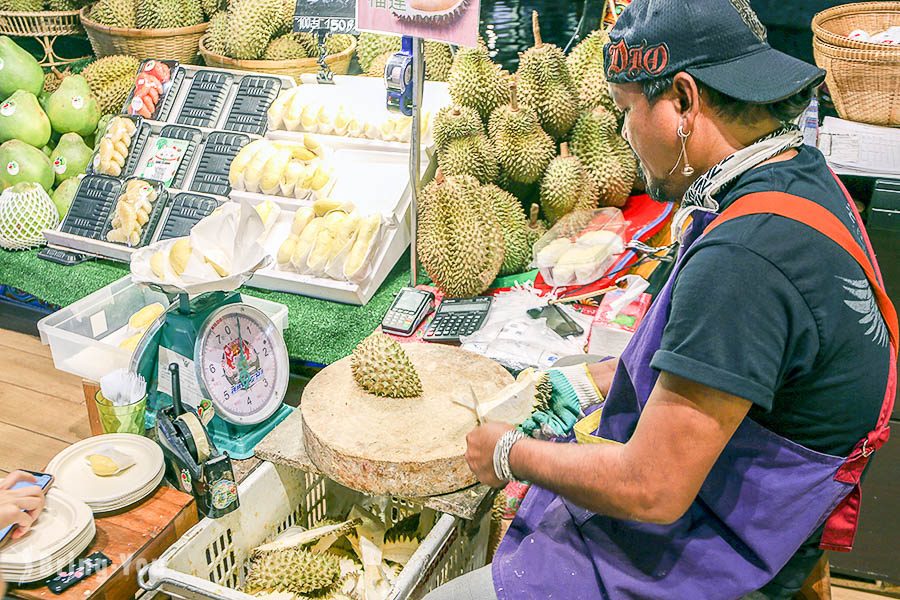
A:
{"x": 763, "y": 498}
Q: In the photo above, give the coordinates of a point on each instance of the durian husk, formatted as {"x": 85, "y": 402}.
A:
{"x": 381, "y": 367}
{"x": 605, "y": 154}
{"x": 294, "y": 570}
{"x": 567, "y": 185}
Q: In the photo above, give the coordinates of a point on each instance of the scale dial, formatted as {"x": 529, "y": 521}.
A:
{"x": 242, "y": 364}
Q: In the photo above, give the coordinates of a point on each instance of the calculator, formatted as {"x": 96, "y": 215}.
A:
{"x": 457, "y": 317}
{"x": 409, "y": 309}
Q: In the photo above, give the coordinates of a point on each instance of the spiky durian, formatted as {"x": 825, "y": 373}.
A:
{"x": 210, "y": 7}
{"x": 337, "y": 43}
{"x": 460, "y": 239}
{"x": 370, "y": 46}
{"x": 286, "y": 25}
{"x": 523, "y": 149}
{"x": 543, "y": 391}
{"x": 114, "y": 13}
{"x": 567, "y": 185}
{"x": 381, "y": 367}
{"x": 586, "y": 67}
{"x": 294, "y": 570}
{"x": 22, "y": 5}
{"x": 111, "y": 79}
{"x": 471, "y": 155}
{"x": 166, "y": 14}
{"x": 514, "y": 225}
{"x": 605, "y": 154}
{"x": 286, "y": 47}
{"x": 62, "y": 5}
{"x": 251, "y": 24}
{"x": 217, "y": 33}
{"x": 454, "y": 122}
{"x": 546, "y": 86}
{"x": 475, "y": 81}
{"x": 438, "y": 61}
{"x": 376, "y": 67}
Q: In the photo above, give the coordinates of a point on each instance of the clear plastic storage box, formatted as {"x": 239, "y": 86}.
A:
{"x": 84, "y": 337}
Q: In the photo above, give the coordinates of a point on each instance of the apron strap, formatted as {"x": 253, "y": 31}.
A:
{"x": 840, "y": 528}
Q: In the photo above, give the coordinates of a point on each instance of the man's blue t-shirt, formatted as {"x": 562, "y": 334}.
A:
{"x": 769, "y": 310}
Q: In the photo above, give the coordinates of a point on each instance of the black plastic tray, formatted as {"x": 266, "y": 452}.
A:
{"x": 162, "y": 197}
{"x": 249, "y": 111}
{"x": 205, "y": 99}
{"x": 186, "y": 210}
{"x": 219, "y": 150}
{"x": 135, "y": 149}
{"x": 91, "y": 206}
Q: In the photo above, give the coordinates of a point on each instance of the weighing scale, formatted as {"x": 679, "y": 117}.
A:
{"x": 234, "y": 367}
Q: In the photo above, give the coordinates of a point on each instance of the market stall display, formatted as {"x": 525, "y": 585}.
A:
{"x": 64, "y": 530}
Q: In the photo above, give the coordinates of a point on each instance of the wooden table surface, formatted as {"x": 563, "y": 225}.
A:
{"x": 131, "y": 539}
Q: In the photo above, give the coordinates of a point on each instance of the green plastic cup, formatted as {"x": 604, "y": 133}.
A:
{"x": 121, "y": 419}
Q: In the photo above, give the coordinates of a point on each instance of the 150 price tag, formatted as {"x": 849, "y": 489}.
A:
{"x": 334, "y": 16}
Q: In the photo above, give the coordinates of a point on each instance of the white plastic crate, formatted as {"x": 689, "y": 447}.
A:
{"x": 84, "y": 336}
{"x": 211, "y": 559}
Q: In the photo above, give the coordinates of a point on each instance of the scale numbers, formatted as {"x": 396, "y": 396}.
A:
{"x": 242, "y": 364}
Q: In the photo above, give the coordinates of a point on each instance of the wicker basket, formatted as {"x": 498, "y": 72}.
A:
{"x": 179, "y": 43}
{"x": 45, "y": 26}
{"x": 863, "y": 84}
{"x": 833, "y": 25}
{"x": 339, "y": 63}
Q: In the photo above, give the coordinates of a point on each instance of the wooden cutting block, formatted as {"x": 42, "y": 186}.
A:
{"x": 410, "y": 447}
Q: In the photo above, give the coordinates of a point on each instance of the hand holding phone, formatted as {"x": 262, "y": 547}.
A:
{"x": 21, "y": 501}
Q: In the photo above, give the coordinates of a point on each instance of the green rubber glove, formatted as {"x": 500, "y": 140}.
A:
{"x": 574, "y": 390}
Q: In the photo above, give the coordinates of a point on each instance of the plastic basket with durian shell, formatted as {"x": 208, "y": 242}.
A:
{"x": 331, "y": 239}
{"x": 289, "y": 169}
{"x": 580, "y": 247}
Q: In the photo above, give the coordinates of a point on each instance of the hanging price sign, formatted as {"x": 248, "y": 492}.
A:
{"x": 333, "y": 16}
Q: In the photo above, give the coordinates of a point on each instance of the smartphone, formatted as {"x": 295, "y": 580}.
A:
{"x": 44, "y": 480}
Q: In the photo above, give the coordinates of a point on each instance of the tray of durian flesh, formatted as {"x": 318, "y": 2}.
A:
{"x": 290, "y": 169}
{"x": 307, "y": 109}
{"x": 117, "y": 150}
{"x": 136, "y": 213}
{"x": 329, "y": 239}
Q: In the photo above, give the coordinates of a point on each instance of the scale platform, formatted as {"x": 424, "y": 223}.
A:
{"x": 240, "y": 441}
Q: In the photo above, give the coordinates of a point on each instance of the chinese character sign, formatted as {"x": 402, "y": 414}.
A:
{"x": 335, "y": 16}
{"x": 452, "y": 21}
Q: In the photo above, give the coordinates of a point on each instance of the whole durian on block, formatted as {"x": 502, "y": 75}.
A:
{"x": 115, "y": 13}
{"x": 460, "y": 239}
{"x": 514, "y": 225}
{"x": 454, "y": 122}
{"x": 111, "y": 79}
{"x": 295, "y": 571}
{"x": 523, "y": 149}
{"x": 605, "y": 154}
{"x": 251, "y": 25}
{"x": 471, "y": 155}
{"x": 585, "y": 63}
{"x": 546, "y": 86}
{"x": 475, "y": 81}
{"x": 381, "y": 367}
{"x": 567, "y": 185}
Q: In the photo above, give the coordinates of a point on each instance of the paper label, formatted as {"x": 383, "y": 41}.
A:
{"x": 77, "y": 102}
{"x": 190, "y": 387}
{"x": 186, "y": 481}
{"x": 136, "y": 105}
{"x": 2, "y": 64}
{"x": 8, "y": 109}
{"x": 165, "y": 159}
{"x": 59, "y": 165}
{"x": 149, "y": 65}
{"x": 99, "y": 326}
{"x": 12, "y": 167}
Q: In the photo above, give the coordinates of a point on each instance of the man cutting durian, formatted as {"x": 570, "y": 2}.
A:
{"x": 739, "y": 420}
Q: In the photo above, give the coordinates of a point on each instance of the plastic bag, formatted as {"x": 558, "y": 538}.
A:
{"x": 581, "y": 247}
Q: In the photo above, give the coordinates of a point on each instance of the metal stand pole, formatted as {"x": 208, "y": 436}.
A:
{"x": 415, "y": 151}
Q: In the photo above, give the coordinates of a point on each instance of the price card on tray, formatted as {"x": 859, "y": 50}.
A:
{"x": 334, "y": 16}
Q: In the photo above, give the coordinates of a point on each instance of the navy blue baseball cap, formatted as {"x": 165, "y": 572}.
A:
{"x": 719, "y": 42}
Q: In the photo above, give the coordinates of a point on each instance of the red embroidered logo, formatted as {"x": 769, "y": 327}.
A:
{"x": 622, "y": 58}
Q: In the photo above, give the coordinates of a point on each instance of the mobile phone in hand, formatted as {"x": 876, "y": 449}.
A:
{"x": 44, "y": 480}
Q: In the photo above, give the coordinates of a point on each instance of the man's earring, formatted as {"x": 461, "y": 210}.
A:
{"x": 688, "y": 170}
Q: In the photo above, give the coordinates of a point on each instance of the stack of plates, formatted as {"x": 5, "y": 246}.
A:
{"x": 106, "y": 494}
{"x": 62, "y": 532}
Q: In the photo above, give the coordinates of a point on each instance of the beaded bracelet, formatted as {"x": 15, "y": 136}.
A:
{"x": 504, "y": 445}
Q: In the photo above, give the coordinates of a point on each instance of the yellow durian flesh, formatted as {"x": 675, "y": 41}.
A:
{"x": 368, "y": 229}
{"x": 294, "y": 111}
{"x": 219, "y": 270}
{"x": 278, "y": 108}
{"x": 309, "y": 117}
{"x": 158, "y": 264}
{"x": 273, "y": 171}
{"x": 103, "y": 466}
{"x": 254, "y": 172}
{"x": 286, "y": 250}
{"x": 305, "y": 243}
{"x": 130, "y": 343}
{"x": 321, "y": 252}
{"x": 302, "y": 218}
{"x": 240, "y": 162}
{"x": 319, "y": 179}
{"x": 143, "y": 318}
{"x": 179, "y": 254}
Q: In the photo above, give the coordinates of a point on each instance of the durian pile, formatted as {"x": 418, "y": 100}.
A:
{"x": 329, "y": 239}
{"x": 292, "y": 111}
{"x": 287, "y": 169}
{"x": 359, "y": 558}
{"x": 152, "y": 14}
{"x": 263, "y": 30}
{"x": 41, "y": 5}
{"x": 545, "y": 140}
